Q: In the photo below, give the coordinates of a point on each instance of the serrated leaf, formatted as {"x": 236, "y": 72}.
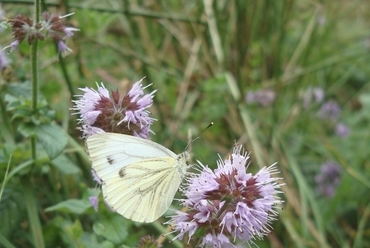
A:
{"x": 75, "y": 230}
{"x": 65, "y": 165}
{"x": 20, "y": 89}
{"x": 52, "y": 138}
{"x": 13, "y": 102}
{"x": 90, "y": 240}
{"x": 114, "y": 229}
{"x": 74, "y": 206}
{"x": 27, "y": 129}
{"x": 22, "y": 112}
{"x": 11, "y": 205}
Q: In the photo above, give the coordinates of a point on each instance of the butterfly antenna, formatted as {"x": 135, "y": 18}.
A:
{"x": 197, "y": 137}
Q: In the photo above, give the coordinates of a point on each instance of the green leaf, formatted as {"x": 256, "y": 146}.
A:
{"x": 22, "y": 112}
{"x": 11, "y": 205}
{"x": 90, "y": 240}
{"x": 70, "y": 233}
{"x": 27, "y": 129}
{"x": 113, "y": 228}
{"x": 20, "y": 89}
{"x": 75, "y": 230}
{"x": 65, "y": 165}
{"x": 13, "y": 102}
{"x": 52, "y": 138}
{"x": 74, "y": 206}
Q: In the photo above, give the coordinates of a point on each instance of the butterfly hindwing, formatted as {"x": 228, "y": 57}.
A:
{"x": 143, "y": 191}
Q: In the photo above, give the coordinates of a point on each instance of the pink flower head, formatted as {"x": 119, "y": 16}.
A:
{"x": 50, "y": 27}
{"x": 104, "y": 112}
{"x": 227, "y": 203}
{"x": 94, "y": 202}
{"x": 24, "y": 28}
{"x": 56, "y": 30}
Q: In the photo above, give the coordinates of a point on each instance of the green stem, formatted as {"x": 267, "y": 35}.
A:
{"x": 37, "y": 11}
{"x": 35, "y": 85}
{"x": 35, "y": 76}
{"x": 35, "y": 88}
{"x": 27, "y": 186}
{"x": 66, "y": 75}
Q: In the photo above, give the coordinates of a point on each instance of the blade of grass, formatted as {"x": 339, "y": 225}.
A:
{"x": 304, "y": 42}
{"x": 292, "y": 230}
{"x": 33, "y": 215}
{"x": 215, "y": 36}
{"x": 306, "y": 195}
{"x": 183, "y": 92}
{"x": 351, "y": 171}
{"x": 257, "y": 150}
{"x": 345, "y": 56}
{"x": 5, "y": 242}
{"x": 361, "y": 228}
{"x": 5, "y": 177}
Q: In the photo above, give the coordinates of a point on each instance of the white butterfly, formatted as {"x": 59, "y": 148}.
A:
{"x": 139, "y": 177}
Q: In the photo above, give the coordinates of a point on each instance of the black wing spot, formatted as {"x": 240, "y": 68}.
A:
{"x": 122, "y": 173}
{"x": 110, "y": 160}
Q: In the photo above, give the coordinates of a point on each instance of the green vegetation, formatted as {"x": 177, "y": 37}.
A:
{"x": 204, "y": 57}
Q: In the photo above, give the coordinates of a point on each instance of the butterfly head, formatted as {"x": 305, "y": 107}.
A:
{"x": 182, "y": 160}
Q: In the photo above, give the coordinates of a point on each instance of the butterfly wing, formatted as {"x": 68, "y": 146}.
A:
{"x": 109, "y": 152}
{"x": 143, "y": 191}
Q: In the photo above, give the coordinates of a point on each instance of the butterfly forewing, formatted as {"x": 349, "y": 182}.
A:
{"x": 109, "y": 152}
{"x": 144, "y": 190}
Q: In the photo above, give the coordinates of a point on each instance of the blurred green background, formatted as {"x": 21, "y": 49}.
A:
{"x": 204, "y": 57}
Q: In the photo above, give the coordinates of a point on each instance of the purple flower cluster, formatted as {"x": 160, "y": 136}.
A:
{"x": 104, "y": 112}
{"x": 262, "y": 97}
{"x": 328, "y": 179}
{"x": 228, "y": 204}
{"x": 330, "y": 110}
{"x": 24, "y": 28}
{"x": 341, "y": 130}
